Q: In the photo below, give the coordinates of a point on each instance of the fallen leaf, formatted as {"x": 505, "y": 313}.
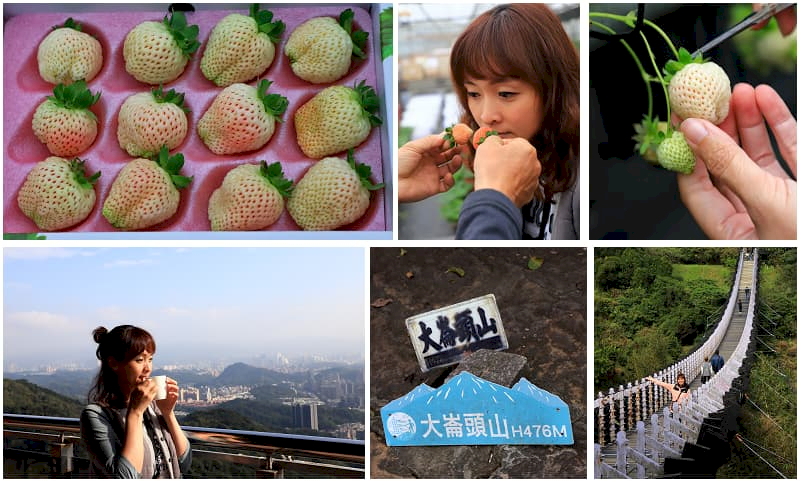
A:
{"x": 402, "y": 252}
{"x": 534, "y": 263}
{"x": 378, "y": 303}
{"x": 409, "y": 274}
{"x": 458, "y": 271}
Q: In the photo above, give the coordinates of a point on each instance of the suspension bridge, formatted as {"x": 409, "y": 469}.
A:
{"x": 640, "y": 433}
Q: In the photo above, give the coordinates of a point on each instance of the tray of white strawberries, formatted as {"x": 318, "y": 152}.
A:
{"x": 267, "y": 118}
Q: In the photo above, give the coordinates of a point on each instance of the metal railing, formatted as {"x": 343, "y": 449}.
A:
{"x": 271, "y": 455}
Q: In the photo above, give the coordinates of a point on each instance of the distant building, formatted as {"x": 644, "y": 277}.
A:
{"x": 305, "y": 416}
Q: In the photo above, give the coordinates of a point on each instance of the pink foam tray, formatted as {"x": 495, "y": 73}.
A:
{"x": 24, "y": 90}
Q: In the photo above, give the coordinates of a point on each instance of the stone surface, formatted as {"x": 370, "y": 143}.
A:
{"x": 498, "y": 367}
{"x": 544, "y": 314}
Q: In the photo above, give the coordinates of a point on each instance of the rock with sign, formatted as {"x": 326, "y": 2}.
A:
{"x": 445, "y": 336}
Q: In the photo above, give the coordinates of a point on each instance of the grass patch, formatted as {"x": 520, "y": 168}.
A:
{"x": 718, "y": 274}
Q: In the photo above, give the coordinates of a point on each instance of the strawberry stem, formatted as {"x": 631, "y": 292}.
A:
{"x": 630, "y": 21}
{"x": 647, "y": 77}
{"x": 661, "y": 79}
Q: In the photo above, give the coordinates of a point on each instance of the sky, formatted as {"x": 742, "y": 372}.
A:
{"x": 198, "y": 303}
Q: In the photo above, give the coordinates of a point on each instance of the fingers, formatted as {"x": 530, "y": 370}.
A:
{"x": 727, "y": 162}
{"x": 781, "y": 122}
{"x": 715, "y": 213}
{"x": 787, "y": 20}
{"x": 752, "y": 130}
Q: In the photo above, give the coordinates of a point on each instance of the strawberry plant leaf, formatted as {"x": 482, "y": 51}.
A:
{"x": 185, "y": 35}
{"x": 79, "y": 171}
{"x": 346, "y": 20}
{"x": 179, "y": 181}
{"x": 364, "y": 172}
{"x": 70, "y": 24}
{"x": 274, "y": 174}
{"x": 265, "y": 25}
{"x": 387, "y": 31}
{"x": 172, "y": 97}
{"x": 274, "y": 104}
{"x": 369, "y": 102}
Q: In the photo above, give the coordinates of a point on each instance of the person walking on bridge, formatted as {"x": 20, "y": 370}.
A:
{"x": 717, "y": 361}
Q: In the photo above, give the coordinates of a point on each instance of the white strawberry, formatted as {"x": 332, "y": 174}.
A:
{"x": 319, "y": 49}
{"x": 157, "y": 52}
{"x": 149, "y": 120}
{"x": 250, "y": 197}
{"x": 240, "y": 47}
{"x": 67, "y": 54}
{"x": 64, "y": 122}
{"x": 333, "y": 193}
{"x": 145, "y": 192}
{"x": 698, "y": 89}
{"x": 57, "y": 194}
{"x": 675, "y": 154}
{"x": 241, "y": 118}
{"x": 336, "y": 119}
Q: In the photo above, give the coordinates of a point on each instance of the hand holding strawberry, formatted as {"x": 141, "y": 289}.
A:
{"x": 509, "y": 166}
{"x": 424, "y": 169}
{"x": 740, "y": 193}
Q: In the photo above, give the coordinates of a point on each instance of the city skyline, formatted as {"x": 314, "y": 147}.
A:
{"x": 199, "y": 304}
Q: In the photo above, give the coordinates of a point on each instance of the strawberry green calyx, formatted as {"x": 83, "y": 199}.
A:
{"x": 649, "y": 134}
{"x": 274, "y": 174}
{"x": 363, "y": 171}
{"x": 79, "y": 170}
{"x": 172, "y": 165}
{"x": 185, "y": 35}
{"x": 488, "y": 133}
{"x": 368, "y": 99}
{"x": 672, "y": 67}
{"x": 274, "y": 104}
{"x": 448, "y": 136}
{"x": 263, "y": 19}
{"x": 74, "y": 96}
{"x": 172, "y": 97}
{"x": 69, "y": 24}
{"x": 359, "y": 37}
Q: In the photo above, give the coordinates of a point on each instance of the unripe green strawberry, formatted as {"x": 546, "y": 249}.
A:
{"x": 240, "y": 47}
{"x": 675, "y": 154}
{"x": 157, "y": 52}
{"x": 145, "y": 192}
{"x": 333, "y": 193}
{"x": 698, "y": 89}
{"x": 241, "y": 118}
{"x": 250, "y": 197}
{"x": 67, "y": 55}
{"x": 64, "y": 122}
{"x": 149, "y": 120}
{"x": 57, "y": 194}
{"x": 336, "y": 119}
{"x": 320, "y": 49}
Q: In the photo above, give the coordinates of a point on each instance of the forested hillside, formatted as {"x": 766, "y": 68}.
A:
{"x": 653, "y": 305}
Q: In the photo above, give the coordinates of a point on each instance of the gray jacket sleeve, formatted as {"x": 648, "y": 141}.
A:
{"x": 567, "y": 225}
{"x": 103, "y": 444}
{"x": 489, "y": 215}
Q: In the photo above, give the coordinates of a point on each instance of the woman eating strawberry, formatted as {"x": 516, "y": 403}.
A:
{"x": 515, "y": 72}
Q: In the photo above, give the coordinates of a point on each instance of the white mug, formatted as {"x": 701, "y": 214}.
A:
{"x": 161, "y": 387}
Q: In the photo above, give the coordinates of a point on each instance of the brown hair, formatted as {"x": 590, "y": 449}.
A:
{"x": 528, "y": 42}
{"x": 123, "y": 343}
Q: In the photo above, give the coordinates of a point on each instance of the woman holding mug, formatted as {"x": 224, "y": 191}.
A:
{"x": 127, "y": 432}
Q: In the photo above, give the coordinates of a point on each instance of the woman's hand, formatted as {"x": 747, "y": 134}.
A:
{"x": 141, "y": 396}
{"x": 744, "y": 193}
{"x": 509, "y": 166}
{"x": 426, "y": 167}
{"x": 168, "y": 405}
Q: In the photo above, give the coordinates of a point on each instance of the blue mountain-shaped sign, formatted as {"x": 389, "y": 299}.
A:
{"x": 470, "y": 410}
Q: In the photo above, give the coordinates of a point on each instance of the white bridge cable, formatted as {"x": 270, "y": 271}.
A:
{"x": 762, "y": 459}
{"x": 770, "y": 418}
{"x": 785, "y": 460}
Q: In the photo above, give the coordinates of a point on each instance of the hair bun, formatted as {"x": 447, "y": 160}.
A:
{"x": 99, "y": 334}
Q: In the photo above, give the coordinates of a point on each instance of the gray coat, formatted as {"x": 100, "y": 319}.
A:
{"x": 103, "y": 434}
